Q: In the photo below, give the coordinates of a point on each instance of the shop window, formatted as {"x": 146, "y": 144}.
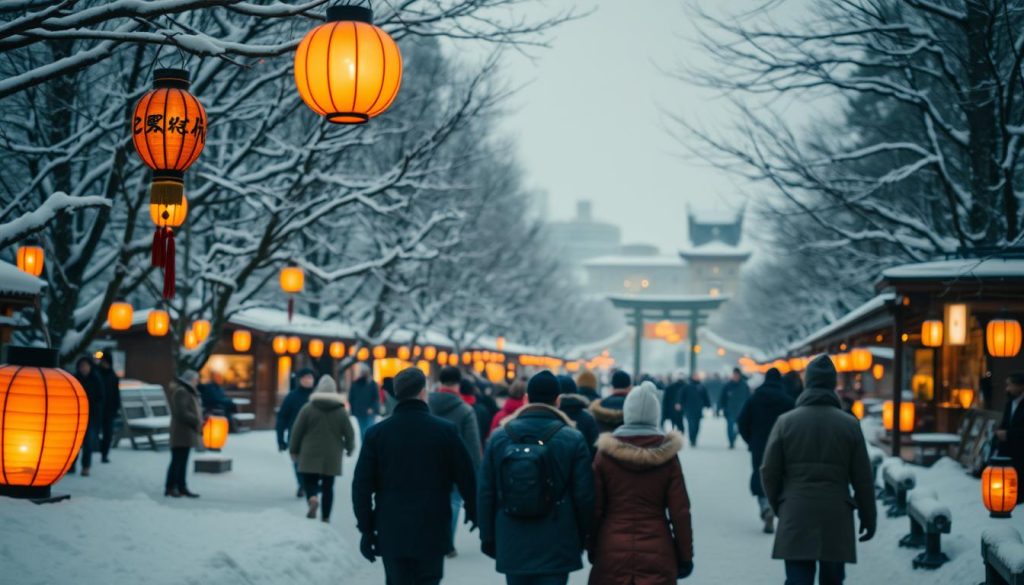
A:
{"x": 229, "y": 371}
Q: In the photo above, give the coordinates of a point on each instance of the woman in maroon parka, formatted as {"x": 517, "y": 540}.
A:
{"x": 641, "y": 531}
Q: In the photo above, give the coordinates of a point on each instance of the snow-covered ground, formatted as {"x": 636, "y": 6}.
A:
{"x": 248, "y": 528}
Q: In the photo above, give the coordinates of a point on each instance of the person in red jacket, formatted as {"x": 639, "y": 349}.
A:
{"x": 638, "y": 484}
{"x": 516, "y": 399}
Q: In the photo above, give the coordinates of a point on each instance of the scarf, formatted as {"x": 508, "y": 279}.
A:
{"x": 636, "y": 430}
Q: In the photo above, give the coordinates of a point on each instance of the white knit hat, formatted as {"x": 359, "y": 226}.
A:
{"x": 326, "y": 385}
{"x": 642, "y": 406}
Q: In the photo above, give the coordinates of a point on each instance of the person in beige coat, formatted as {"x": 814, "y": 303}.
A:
{"x": 186, "y": 428}
{"x": 321, "y": 432}
{"x": 815, "y": 454}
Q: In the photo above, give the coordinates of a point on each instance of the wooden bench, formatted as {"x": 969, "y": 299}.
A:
{"x": 1003, "y": 554}
{"x": 898, "y": 479}
{"x": 146, "y": 413}
{"x": 929, "y": 520}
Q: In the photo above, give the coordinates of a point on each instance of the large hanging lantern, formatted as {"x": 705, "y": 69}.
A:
{"x": 860, "y": 360}
{"x": 30, "y": 259}
{"x": 999, "y": 488}
{"x": 158, "y": 323}
{"x": 215, "y": 432}
{"x": 43, "y": 416}
{"x": 241, "y": 340}
{"x": 843, "y": 362}
{"x": 316, "y": 348}
{"x": 293, "y": 280}
{"x": 167, "y": 217}
{"x": 931, "y": 333}
{"x": 348, "y": 70}
{"x": 337, "y": 349}
{"x": 1003, "y": 337}
{"x": 201, "y": 329}
{"x": 119, "y": 316}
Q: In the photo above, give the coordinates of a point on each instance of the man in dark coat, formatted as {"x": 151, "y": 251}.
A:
{"x": 544, "y": 549}
{"x": 85, "y": 373}
{"x": 734, "y": 395}
{"x": 474, "y": 397}
{"x": 289, "y": 410}
{"x": 815, "y": 454}
{"x": 364, "y": 398}
{"x": 575, "y": 406}
{"x": 694, "y": 399}
{"x": 671, "y": 407}
{"x": 608, "y": 411}
{"x": 755, "y": 423}
{"x": 401, "y": 491}
{"x": 111, "y": 403}
{"x": 1010, "y": 433}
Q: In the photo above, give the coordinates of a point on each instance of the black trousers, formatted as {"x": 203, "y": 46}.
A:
{"x": 413, "y": 571}
{"x": 802, "y": 573}
{"x": 178, "y": 467}
{"x": 107, "y": 433}
{"x": 323, "y": 486}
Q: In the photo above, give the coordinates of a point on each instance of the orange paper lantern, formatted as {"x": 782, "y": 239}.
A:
{"x": 348, "y": 70}
{"x": 294, "y": 344}
{"x": 337, "y": 350}
{"x": 215, "y": 433}
{"x": 380, "y": 352}
{"x": 293, "y": 280}
{"x": 404, "y": 353}
{"x": 861, "y": 360}
{"x": 878, "y": 371}
{"x": 999, "y": 488}
{"x": 1003, "y": 337}
{"x": 430, "y": 352}
{"x": 315, "y": 348}
{"x": 201, "y": 329}
{"x": 363, "y": 354}
{"x": 44, "y": 413}
{"x": 30, "y": 259}
{"x": 843, "y": 362}
{"x": 931, "y": 333}
{"x": 241, "y": 340}
{"x": 906, "y": 416}
{"x": 158, "y": 323}
{"x": 279, "y": 344}
{"x": 119, "y": 316}
{"x": 857, "y": 409}
{"x": 191, "y": 340}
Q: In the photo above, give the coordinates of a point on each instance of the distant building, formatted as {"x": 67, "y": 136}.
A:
{"x": 582, "y": 238}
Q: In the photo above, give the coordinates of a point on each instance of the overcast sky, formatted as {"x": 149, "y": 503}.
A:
{"x": 591, "y": 122}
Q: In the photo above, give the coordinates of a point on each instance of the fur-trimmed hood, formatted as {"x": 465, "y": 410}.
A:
{"x": 606, "y": 415}
{"x": 641, "y": 452}
{"x": 528, "y": 408}
{"x": 573, "y": 402}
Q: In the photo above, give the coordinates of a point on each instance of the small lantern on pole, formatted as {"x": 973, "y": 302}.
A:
{"x": 293, "y": 280}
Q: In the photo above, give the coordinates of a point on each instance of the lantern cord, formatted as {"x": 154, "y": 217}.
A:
{"x": 169, "y": 265}
{"x": 291, "y": 308}
{"x": 158, "y": 247}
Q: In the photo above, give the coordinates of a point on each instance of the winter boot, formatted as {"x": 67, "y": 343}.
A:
{"x": 314, "y": 503}
{"x": 769, "y": 521}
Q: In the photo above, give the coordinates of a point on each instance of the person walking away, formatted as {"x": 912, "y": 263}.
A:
{"x": 364, "y": 398}
{"x": 286, "y": 414}
{"x": 755, "y": 422}
{"x": 476, "y": 394}
{"x": 449, "y": 404}
{"x": 536, "y": 492}
{"x": 401, "y": 491}
{"x": 516, "y": 399}
{"x": 815, "y": 454}
{"x": 111, "y": 403}
{"x": 638, "y": 485}
{"x": 608, "y": 411}
{"x": 322, "y": 430}
{"x": 1010, "y": 434}
{"x": 714, "y": 384}
{"x": 587, "y": 385}
{"x": 694, "y": 398}
{"x": 672, "y": 406}
{"x": 186, "y": 428}
{"x": 793, "y": 384}
{"x": 387, "y": 384}
{"x": 575, "y": 405}
{"x": 86, "y": 375}
{"x": 735, "y": 394}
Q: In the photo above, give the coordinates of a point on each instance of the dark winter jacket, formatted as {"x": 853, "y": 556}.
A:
{"x": 111, "y": 392}
{"x": 734, "y": 396}
{"x": 507, "y": 410}
{"x": 401, "y": 490}
{"x": 694, "y": 398}
{"x": 608, "y": 411}
{"x": 642, "y": 528}
{"x": 552, "y": 544}
{"x": 755, "y": 422}
{"x": 364, "y": 397}
{"x": 575, "y": 406}
{"x": 1013, "y": 447}
{"x": 93, "y": 387}
{"x": 289, "y": 410}
{"x": 321, "y": 432}
{"x": 813, "y": 457}
{"x": 186, "y": 415}
{"x": 669, "y": 402}
{"x": 483, "y": 421}
{"x": 454, "y": 409}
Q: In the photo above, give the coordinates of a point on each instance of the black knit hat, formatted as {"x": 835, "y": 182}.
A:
{"x": 566, "y": 385}
{"x": 409, "y": 383}
{"x": 542, "y": 388}
{"x": 821, "y": 373}
{"x": 450, "y": 376}
{"x": 621, "y": 380}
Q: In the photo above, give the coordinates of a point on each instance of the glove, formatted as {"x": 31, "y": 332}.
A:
{"x": 487, "y": 547}
{"x": 867, "y": 532}
{"x": 685, "y": 568}
{"x": 368, "y": 547}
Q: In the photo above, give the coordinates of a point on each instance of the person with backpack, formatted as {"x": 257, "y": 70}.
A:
{"x": 536, "y": 491}
{"x": 642, "y": 533}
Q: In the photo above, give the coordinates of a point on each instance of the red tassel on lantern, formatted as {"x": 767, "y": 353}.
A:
{"x": 158, "y": 247}
{"x": 169, "y": 265}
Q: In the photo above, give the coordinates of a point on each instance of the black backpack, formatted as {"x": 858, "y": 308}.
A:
{"x": 527, "y": 487}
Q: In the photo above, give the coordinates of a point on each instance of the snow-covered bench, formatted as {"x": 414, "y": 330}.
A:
{"x": 146, "y": 413}
{"x": 933, "y": 446}
{"x": 929, "y": 520}
{"x": 898, "y": 479}
{"x": 1003, "y": 554}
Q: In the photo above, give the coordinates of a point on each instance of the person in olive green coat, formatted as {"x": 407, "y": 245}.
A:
{"x": 815, "y": 454}
{"x": 186, "y": 428}
{"x": 321, "y": 431}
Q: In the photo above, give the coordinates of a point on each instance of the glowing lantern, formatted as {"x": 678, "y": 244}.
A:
{"x": 363, "y": 354}
{"x": 453, "y": 359}
{"x": 241, "y": 340}
{"x": 30, "y": 259}
{"x": 44, "y": 413}
{"x": 931, "y": 333}
{"x": 293, "y": 280}
{"x": 499, "y": 344}
{"x": 860, "y": 360}
{"x": 697, "y": 349}
{"x": 348, "y": 70}
{"x": 857, "y": 409}
{"x": 906, "y": 416}
{"x": 878, "y": 371}
{"x": 119, "y": 317}
{"x": 956, "y": 324}
{"x": 467, "y": 358}
{"x": 1003, "y": 337}
{"x": 337, "y": 350}
{"x": 315, "y": 348}
{"x": 201, "y": 329}
{"x": 158, "y": 323}
{"x": 294, "y": 344}
{"x": 721, "y": 351}
{"x": 191, "y": 340}
{"x": 417, "y": 351}
{"x": 442, "y": 357}
{"x": 167, "y": 217}
{"x": 404, "y": 353}
{"x": 215, "y": 433}
{"x": 280, "y": 344}
{"x": 380, "y": 352}
{"x": 843, "y": 362}
{"x": 430, "y": 352}
{"x": 964, "y": 397}
{"x": 999, "y": 488}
